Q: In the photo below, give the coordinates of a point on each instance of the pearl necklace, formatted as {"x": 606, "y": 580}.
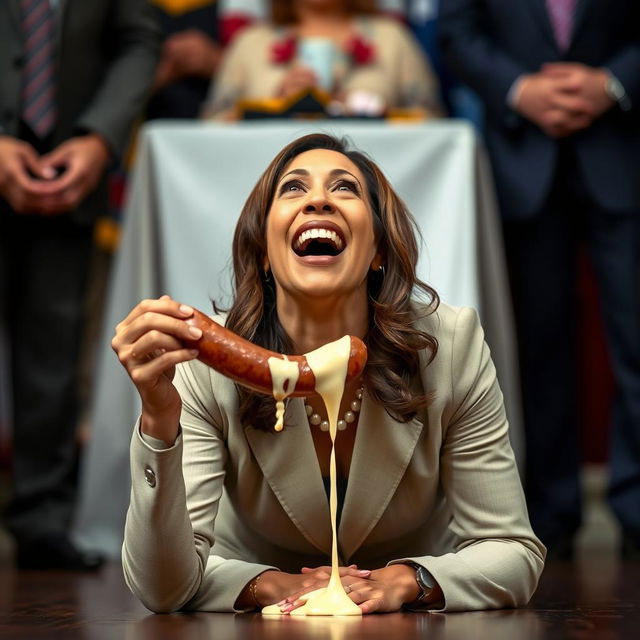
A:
{"x": 349, "y": 416}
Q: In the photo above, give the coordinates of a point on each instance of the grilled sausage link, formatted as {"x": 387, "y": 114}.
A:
{"x": 246, "y": 363}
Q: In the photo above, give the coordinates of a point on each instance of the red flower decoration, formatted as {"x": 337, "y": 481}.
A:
{"x": 361, "y": 51}
{"x": 283, "y": 51}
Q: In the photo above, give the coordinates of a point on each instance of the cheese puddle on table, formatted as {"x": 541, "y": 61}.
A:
{"x": 329, "y": 365}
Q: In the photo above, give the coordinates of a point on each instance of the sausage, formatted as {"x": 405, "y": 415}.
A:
{"x": 246, "y": 363}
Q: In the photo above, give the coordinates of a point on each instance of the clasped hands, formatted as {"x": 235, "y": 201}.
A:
{"x": 55, "y": 182}
{"x": 563, "y": 97}
{"x": 380, "y": 590}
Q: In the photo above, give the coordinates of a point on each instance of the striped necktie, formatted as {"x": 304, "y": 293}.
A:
{"x": 38, "y": 77}
{"x": 561, "y": 14}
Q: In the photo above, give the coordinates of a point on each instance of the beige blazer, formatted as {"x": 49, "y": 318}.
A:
{"x": 400, "y": 73}
{"x": 227, "y": 501}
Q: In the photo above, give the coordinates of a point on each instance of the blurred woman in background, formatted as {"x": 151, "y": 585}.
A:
{"x": 366, "y": 63}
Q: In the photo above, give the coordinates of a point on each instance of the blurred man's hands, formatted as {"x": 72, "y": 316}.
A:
{"x": 78, "y": 164}
{"x": 563, "y": 97}
{"x": 56, "y": 182}
{"x": 20, "y": 174}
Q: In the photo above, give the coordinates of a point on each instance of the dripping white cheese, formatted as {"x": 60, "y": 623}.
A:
{"x": 329, "y": 364}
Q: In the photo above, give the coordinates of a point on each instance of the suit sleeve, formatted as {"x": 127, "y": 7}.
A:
{"x": 135, "y": 41}
{"x": 498, "y": 559}
{"x": 175, "y": 493}
{"x": 474, "y": 57}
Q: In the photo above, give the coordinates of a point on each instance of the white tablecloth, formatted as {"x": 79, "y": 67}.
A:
{"x": 189, "y": 184}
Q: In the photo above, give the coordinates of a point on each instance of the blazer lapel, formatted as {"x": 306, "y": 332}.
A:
{"x": 289, "y": 463}
{"x": 539, "y": 11}
{"x": 579, "y": 18}
{"x": 61, "y": 10}
{"x": 14, "y": 14}
{"x": 382, "y": 451}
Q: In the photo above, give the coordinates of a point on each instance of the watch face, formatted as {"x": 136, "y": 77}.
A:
{"x": 614, "y": 89}
{"x": 423, "y": 580}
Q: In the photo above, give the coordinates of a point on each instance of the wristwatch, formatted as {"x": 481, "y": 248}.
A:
{"x": 614, "y": 89}
{"x": 424, "y": 580}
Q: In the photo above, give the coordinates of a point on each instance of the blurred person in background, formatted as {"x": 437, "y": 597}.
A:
{"x": 560, "y": 81}
{"x": 73, "y": 77}
{"x": 195, "y": 33}
{"x": 367, "y": 63}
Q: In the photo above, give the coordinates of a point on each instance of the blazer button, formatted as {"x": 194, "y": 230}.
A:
{"x": 150, "y": 476}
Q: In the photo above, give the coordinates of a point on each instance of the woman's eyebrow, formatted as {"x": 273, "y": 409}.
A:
{"x": 296, "y": 172}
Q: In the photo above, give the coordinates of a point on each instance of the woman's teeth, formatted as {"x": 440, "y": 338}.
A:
{"x": 311, "y": 234}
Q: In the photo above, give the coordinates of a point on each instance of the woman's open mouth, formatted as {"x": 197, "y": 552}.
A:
{"x": 317, "y": 238}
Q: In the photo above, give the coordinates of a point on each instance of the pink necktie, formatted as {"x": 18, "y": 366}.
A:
{"x": 561, "y": 16}
{"x": 38, "y": 80}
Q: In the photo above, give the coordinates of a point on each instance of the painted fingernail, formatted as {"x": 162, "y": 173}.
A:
{"x": 186, "y": 309}
{"x": 193, "y": 353}
{"x": 286, "y": 608}
{"x": 195, "y": 332}
{"x": 364, "y": 572}
{"x": 279, "y": 604}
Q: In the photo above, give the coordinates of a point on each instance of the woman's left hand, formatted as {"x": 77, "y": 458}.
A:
{"x": 384, "y": 590}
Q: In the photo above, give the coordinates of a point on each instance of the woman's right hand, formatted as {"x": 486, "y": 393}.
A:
{"x": 149, "y": 345}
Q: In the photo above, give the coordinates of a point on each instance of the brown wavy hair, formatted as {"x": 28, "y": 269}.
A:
{"x": 392, "y": 340}
{"x": 283, "y": 11}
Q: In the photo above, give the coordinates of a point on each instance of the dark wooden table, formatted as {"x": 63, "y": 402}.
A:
{"x": 598, "y": 599}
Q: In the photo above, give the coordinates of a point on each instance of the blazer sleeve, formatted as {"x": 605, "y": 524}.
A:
{"x": 175, "y": 493}
{"x": 135, "y": 42}
{"x": 498, "y": 559}
{"x": 475, "y": 58}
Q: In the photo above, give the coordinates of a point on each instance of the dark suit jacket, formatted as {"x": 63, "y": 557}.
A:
{"x": 106, "y": 56}
{"x": 489, "y": 43}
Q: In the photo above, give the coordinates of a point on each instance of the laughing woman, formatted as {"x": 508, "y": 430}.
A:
{"x": 227, "y": 516}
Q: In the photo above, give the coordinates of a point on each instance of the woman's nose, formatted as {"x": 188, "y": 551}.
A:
{"x": 318, "y": 203}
